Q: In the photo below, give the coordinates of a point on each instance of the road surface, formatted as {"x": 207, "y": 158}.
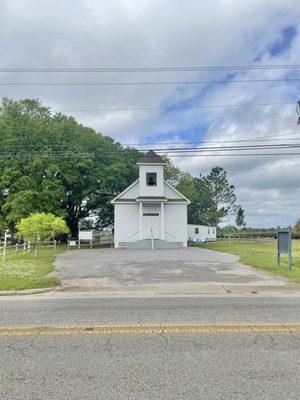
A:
{"x": 150, "y": 348}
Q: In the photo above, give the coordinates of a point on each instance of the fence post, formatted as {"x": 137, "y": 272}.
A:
{"x": 54, "y": 245}
{"x": 24, "y": 247}
{"x": 4, "y": 252}
{"x": 17, "y": 249}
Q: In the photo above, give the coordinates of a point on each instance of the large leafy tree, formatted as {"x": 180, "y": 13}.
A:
{"x": 212, "y": 196}
{"x": 50, "y": 163}
{"x": 182, "y": 181}
{"x": 200, "y": 210}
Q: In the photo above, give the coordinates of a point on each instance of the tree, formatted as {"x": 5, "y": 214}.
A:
{"x": 240, "y": 217}
{"x": 54, "y": 165}
{"x": 182, "y": 181}
{"x": 212, "y": 197}
{"x": 221, "y": 193}
{"x": 40, "y": 226}
{"x": 296, "y": 228}
{"x": 200, "y": 209}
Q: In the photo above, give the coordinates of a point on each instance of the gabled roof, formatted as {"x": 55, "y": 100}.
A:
{"x": 128, "y": 196}
{"x": 176, "y": 191}
{"x": 117, "y": 198}
{"x": 151, "y": 158}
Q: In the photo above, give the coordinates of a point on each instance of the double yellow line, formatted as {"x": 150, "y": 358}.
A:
{"x": 152, "y": 329}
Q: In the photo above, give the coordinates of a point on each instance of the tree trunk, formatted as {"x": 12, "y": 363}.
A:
{"x": 12, "y": 230}
{"x": 72, "y": 223}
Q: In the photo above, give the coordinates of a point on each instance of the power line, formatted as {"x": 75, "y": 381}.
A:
{"x": 229, "y": 148}
{"x": 182, "y": 150}
{"x": 175, "y": 150}
{"x": 275, "y": 137}
{"x": 259, "y": 139}
{"x": 151, "y": 69}
{"x": 236, "y": 155}
{"x": 4, "y": 155}
{"x": 147, "y": 83}
{"x": 174, "y": 108}
{"x": 59, "y": 155}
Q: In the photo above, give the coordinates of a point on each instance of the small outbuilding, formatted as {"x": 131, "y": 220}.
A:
{"x": 202, "y": 233}
{"x": 150, "y": 213}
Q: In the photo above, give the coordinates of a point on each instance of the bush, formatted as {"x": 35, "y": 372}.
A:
{"x": 40, "y": 226}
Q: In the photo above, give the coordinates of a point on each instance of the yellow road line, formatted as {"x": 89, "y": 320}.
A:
{"x": 152, "y": 324}
{"x": 153, "y": 328}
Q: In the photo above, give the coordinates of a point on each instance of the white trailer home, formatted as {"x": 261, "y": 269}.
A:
{"x": 202, "y": 233}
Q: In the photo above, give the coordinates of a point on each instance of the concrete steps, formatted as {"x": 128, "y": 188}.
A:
{"x": 157, "y": 244}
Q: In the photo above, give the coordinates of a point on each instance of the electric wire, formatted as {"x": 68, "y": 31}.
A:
{"x": 173, "y": 108}
{"x": 148, "y": 83}
{"x": 149, "y": 69}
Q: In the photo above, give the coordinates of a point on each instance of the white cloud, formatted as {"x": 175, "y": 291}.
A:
{"x": 170, "y": 33}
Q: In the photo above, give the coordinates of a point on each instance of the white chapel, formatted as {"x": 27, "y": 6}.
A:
{"x": 150, "y": 213}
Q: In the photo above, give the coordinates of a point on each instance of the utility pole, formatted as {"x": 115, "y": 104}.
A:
{"x": 298, "y": 111}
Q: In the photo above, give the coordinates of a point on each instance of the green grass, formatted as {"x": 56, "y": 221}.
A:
{"x": 26, "y": 272}
{"x": 261, "y": 255}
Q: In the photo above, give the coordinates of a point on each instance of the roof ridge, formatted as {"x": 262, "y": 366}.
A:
{"x": 151, "y": 158}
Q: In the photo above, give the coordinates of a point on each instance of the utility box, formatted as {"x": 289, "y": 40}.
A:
{"x": 284, "y": 245}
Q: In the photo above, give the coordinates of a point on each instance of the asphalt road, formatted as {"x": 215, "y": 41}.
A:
{"x": 76, "y": 364}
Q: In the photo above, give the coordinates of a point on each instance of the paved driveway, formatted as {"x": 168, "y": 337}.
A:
{"x": 177, "y": 271}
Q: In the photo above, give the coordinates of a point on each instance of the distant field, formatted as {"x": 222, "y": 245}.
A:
{"x": 26, "y": 272}
{"x": 261, "y": 255}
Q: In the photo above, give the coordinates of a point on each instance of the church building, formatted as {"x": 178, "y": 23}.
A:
{"x": 150, "y": 213}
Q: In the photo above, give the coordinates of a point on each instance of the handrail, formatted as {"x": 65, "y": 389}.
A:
{"x": 152, "y": 241}
{"x": 170, "y": 234}
{"x": 132, "y": 234}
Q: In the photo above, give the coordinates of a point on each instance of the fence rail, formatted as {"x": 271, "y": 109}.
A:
{"x": 97, "y": 241}
{"x": 24, "y": 248}
{"x": 266, "y": 239}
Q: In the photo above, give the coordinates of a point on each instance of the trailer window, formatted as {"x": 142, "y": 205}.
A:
{"x": 196, "y": 231}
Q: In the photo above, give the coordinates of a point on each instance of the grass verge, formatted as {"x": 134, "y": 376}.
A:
{"x": 26, "y": 272}
{"x": 261, "y": 255}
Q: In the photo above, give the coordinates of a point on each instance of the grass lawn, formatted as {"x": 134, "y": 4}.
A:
{"x": 261, "y": 255}
{"x": 26, "y": 272}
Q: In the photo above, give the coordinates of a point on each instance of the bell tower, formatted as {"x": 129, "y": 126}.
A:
{"x": 151, "y": 175}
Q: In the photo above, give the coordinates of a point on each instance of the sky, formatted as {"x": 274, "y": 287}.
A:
{"x": 171, "y": 33}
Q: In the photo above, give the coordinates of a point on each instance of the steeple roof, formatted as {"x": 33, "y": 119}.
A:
{"x": 151, "y": 158}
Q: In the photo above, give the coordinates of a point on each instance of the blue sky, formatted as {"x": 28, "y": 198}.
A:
{"x": 199, "y": 126}
{"x": 134, "y": 33}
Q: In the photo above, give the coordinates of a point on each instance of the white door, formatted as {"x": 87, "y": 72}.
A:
{"x": 151, "y": 222}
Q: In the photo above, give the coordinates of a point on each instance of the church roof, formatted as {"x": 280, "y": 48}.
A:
{"x": 151, "y": 158}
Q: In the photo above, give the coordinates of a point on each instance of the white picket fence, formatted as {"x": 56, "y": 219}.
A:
{"x": 7, "y": 250}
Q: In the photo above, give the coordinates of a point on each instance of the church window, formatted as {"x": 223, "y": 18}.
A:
{"x": 150, "y": 214}
{"x": 151, "y": 178}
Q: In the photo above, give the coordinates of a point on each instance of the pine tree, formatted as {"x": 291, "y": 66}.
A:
{"x": 240, "y": 217}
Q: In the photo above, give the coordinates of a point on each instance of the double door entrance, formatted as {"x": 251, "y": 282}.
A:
{"x": 151, "y": 221}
